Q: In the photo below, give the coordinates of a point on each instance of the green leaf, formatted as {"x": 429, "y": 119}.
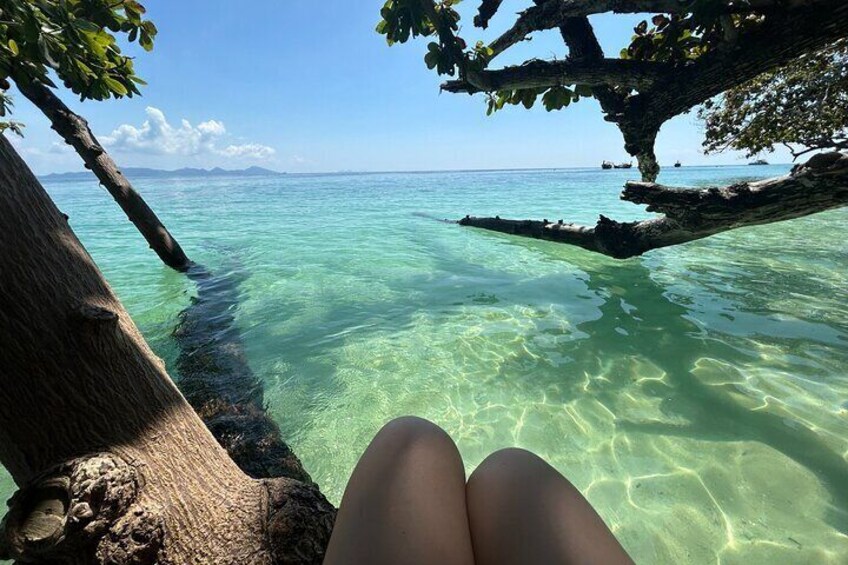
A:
{"x": 431, "y": 59}
{"x": 115, "y": 86}
{"x": 85, "y": 25}
{"x": 583, "y": 90}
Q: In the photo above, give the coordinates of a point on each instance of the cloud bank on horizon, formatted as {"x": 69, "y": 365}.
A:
{"x": 157, "y": 136}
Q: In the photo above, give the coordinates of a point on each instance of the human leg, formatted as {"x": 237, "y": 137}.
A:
{"x": 405, "y": 502}
{"x": 521, "y": 510}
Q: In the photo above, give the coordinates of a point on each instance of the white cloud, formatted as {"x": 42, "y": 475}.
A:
{"x": 253, "y": 150}
{"x": 157, "y": 136}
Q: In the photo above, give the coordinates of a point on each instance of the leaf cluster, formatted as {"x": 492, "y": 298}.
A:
{"x": 803, "y": 106}
{"x": 405, "y": 19}
{"x": 675, "y": 38}
{"x": 9, "y": 125}
{"x": 76, "y": 39}
{"x": 687, "y": 36}
{"x": 553, "y": 98}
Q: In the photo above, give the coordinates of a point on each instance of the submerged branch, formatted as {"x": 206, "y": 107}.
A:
{"x": 218, "y": 382}
{"x": 821, "y": 184}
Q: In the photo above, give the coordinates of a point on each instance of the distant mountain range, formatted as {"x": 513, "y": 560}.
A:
{"x": 140, "y": 173}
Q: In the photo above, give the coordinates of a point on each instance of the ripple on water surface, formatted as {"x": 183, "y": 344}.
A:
{"x": 696, "y": 396}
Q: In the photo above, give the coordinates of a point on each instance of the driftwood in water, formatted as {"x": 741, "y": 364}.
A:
{"x": 821, "y": 184}
{"x": 219, "y": 384}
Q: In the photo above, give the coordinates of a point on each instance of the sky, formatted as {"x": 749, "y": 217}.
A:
{"x": 305, "y": 86}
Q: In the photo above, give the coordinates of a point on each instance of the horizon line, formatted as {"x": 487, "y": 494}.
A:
{"x": 404, "y": 171}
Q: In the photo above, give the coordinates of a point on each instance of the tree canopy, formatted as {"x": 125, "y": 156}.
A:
{"x": 687, "y": 53}
{"x": 803, "y": 106}
{"x": 77, "y": 40}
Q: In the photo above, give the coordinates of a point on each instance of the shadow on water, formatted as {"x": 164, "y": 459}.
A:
{"x": 635, "y": 318}
{"x": 219, "y": 384}
{"x": 639, "y": 320}
{"x": 657, "y": 328}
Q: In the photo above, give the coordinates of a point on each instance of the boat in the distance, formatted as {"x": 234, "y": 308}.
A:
{"x": 759, "y": 162}
{"x": 606, "y": 165}
{"x": 677, "y": 165}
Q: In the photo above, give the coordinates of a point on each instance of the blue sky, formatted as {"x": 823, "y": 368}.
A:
{"x": 305, "y": 86}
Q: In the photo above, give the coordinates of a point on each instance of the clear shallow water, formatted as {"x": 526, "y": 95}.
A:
{"x": 698, "y": 396}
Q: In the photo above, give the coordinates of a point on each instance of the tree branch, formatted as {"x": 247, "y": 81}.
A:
{"x": 821, "y": 184}
{"x": 551, "y": 14}
{"x": 487, "y": 10}
{"x": 75, "y": 131}
{"x": 582, "y": 43}
{"x": 539, "y": 74}
{"x": 783, "y": 37}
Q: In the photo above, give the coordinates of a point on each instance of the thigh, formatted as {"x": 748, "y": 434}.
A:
{"x": 405, "y": 502}
{"x": 521, "y": 510}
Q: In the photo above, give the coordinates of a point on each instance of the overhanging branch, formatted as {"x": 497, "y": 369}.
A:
{"x": 784, "y": 36}
{"x": 539, "y": 74}
{"x": 487, "y": 9}
{"x": 819, "y": 185}
{"x": 582, "y": 43}
{"x": 551, "y": 14}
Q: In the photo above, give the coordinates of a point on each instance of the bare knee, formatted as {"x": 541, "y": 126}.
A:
{"x": 411, "y": 433}
{"x": 413, "y": 428}
{"x": 522, "y": 510}
{"x": 509, "y": 467}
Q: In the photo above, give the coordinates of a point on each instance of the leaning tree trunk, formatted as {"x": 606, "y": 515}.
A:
{"x": 212, "y": 363}
{"x": 820, "y": 184}
{"x": 75, "y": 131}
{"x": 114, "y": 466}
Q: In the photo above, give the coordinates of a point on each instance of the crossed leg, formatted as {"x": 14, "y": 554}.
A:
{"x": 407, "y": 504}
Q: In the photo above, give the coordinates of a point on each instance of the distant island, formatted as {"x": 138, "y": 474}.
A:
{"x": 188, "y": 172}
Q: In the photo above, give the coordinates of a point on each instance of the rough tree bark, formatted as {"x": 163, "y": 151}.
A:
{"x": 75, "y": 131}
{"x": 114, "y": 465}
{"x": 821, "y": 184}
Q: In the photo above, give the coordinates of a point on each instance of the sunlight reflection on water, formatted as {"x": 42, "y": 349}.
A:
{"x": 696, "y": 396}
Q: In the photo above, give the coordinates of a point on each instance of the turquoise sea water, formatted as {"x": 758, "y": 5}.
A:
{"x": 698, "y": 396}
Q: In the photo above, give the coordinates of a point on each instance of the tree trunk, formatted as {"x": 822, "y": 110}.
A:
{"x": 821, "y": 184}
{"x": 75, "y": 131}
{"x": 212, "y": 358}
{"x": 114, "y": 464}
